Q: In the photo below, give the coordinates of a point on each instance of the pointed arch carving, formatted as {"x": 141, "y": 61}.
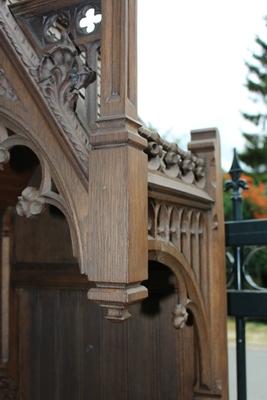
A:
{"x": 33, "y": 200}
{"x": 191, "y": 300}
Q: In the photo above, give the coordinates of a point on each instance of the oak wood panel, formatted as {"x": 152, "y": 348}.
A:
{"x": 70, "y": 352}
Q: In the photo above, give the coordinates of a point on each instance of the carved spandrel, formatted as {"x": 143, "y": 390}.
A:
{"x": 60, "y": 89}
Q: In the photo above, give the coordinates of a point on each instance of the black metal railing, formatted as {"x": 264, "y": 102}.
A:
{"x": 246, "y": 298}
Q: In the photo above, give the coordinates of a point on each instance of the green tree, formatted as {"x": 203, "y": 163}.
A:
{"x": 254, "y": 155}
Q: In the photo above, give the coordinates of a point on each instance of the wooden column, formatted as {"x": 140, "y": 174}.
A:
{"x": 117, "y": 240}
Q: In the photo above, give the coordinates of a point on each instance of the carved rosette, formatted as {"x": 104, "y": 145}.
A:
{"x": 172, "y": 161}
{"x": 8, "y": 388}
{"x": 6, "y": 90}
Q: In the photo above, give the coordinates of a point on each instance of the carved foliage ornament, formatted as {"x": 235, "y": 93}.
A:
{"x": 60, "y": 74}
{"x": 174, "y": 162}
{"x": 6, "y": 89}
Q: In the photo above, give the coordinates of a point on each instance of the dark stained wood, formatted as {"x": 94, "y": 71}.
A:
{"x": 65, "y": 340}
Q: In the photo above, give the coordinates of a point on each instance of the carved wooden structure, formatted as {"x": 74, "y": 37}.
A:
{"x": 91, "y": 202}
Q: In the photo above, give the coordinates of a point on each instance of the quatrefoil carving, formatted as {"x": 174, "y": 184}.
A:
{"x": 89, "y": 21}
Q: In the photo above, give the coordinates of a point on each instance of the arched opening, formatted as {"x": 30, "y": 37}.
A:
{"x": 189, "y": 294}
{"x": 37, "y": 274}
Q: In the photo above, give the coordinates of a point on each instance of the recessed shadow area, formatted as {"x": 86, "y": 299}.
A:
{"x": 17, "y": 175}
{"x": 22, "y": 159}
{"x": 161, "y": 284}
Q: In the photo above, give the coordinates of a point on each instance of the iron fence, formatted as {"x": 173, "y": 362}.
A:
{"x": 245, "y": 239}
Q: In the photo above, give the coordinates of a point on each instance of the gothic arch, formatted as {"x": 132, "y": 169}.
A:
{"x": 33, "y": 200}
{"x": 189, "y": 298}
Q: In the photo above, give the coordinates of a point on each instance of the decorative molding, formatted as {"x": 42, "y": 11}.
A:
{"x": 6, "y": 90}
{"x": 10, "y": 28}
{"x": 8, "y": 388}
{"x": 172, "y": 161}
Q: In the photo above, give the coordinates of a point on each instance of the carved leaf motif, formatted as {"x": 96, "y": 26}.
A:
{"x": 60, "y": 104}
{"x": 61, "y": 75}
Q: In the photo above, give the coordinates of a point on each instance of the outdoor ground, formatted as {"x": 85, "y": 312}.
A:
{"x": 256, "y": 336}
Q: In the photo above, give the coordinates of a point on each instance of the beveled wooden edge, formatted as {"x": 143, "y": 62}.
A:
{"x": 176, "y": 191}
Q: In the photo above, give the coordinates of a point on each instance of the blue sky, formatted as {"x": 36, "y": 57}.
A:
{"x": 191, "y": 65}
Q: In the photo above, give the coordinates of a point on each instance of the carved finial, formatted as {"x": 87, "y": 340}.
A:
{"x": 180, "y": 316}
{"x": 30, "y": 203}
